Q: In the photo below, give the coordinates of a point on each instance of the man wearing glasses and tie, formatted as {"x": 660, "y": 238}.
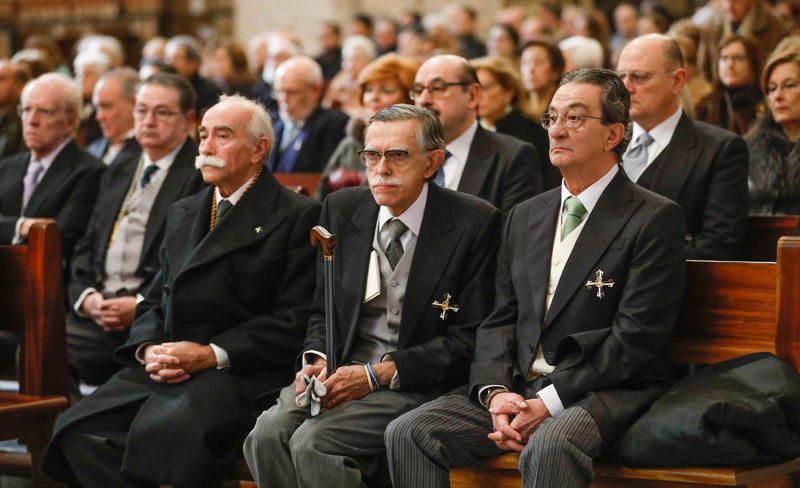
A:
{"x": 589, "y": 281}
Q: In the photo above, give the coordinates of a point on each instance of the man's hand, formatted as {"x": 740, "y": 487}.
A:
{"x": 27, "y": 223}
{"x": 317, "y": 368}
{"x": 529, "y": 419}
{"x": 175, "y": 362}
{"x": 347, "y": 383}
{"x": 162, "y": 367}
{"x": 502, "y": 408}
{"x": 110, "y": 314}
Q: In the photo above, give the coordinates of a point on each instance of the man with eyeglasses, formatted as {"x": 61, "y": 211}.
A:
{"x": 414, "y": 268}
{"x": 54, "y": 179}
{"x": 589, "y": 281}
{"x": 498, "y": 168}
{"x": 306, "y": 134}
{"x": 116, "y": 261}
{"x": 702, "y": 167}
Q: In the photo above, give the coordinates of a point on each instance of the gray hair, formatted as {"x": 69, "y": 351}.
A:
{"x": 128, "y": 80}
{"x": 108, "y": 45}
{"x": 70, "y": 95}
{"x": 312, "y": 73}
{"x": 615, "y": 101}
{"x": 430, "y": 135}
{"x": 191, "y": 47}
{"x": 259, "y": 124}
{"x": 98, "y": 59}
{"x": 585, "y": 52}
{"x": 359, "y": 44}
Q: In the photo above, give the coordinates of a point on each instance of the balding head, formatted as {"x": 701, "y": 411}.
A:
{"x": 298, "y": 87}
{"x": 652, "y": 67}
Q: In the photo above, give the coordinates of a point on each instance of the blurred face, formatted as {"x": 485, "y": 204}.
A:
{"x": 46, "y": 123}
{"x": 735, "y": 69}
{"x": 223, "y": 134}
{"x": 10, "y": 88}
{"x": 737, "y": 9}
{"x": 382, "y": 93}
{"x": 114, "y": 110}
{"x": 590, "y": 140}
{"x": 223, "y": 63}
{"x": 499, "y": 43}
{"x": 537, "y": 72}
{"x": 159, "y": 123}
{"x": 654, "y": 90}
{"x": 385, "y": 35}
{"x": 625, "y": 18}
{"x": 353, "y": 62}
{"x": 175, "y": 56}
{"x": 328, "y": 39}
{"x": 783, "y": 93}
{"x": 455, "y": 105}
{"x": 396, "y": 181}
{"x": 296, "y": 97}
{"x": 494, "y": 97}
{"x": 87, "y": 76}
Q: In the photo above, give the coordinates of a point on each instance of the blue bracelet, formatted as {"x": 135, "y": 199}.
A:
{"x": 374, "y": 376}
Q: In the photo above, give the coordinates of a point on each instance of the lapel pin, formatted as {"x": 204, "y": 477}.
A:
{"x": 445, "y": 306}
{"x": 259, "y": 229}
{"x": 599, "y": 283}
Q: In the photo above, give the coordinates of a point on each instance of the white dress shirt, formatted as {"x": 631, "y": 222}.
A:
{"x": 454, "y": 166}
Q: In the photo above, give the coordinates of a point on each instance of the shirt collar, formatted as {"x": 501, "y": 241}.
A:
{"x": 459, "y": 147}
{"x": 662, "y": 133}
{"x": 591, "y": 195}
{"x": 235, "y": 196}
{"x": 166, "y": 161}
{"x": 47, "y": 160}
{"x": 412, "y": 217}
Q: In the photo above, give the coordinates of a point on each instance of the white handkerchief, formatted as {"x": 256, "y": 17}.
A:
{"x": 373, "y": 288}
{"x": 314, "y": 391}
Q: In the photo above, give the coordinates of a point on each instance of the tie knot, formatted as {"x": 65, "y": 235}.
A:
{"x": 574, "y": 207}
{"x": 147, "y": 174}
{"x": 644, "y": 139}
{"x": 447, "y": 155}
{"x": 222, "y": 208}
{"x": 35, "y": 167}
{"x": 396, "y": 228}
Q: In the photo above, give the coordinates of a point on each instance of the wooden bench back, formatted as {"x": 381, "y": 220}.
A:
{"x": 763, "y": 232}
{"x": 735, "y": 308}
{"x": 32, "y": 304}
{"x": 303, "y": 183}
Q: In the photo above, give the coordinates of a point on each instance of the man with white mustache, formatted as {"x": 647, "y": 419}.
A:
{"x": 413, "y": 278}
{"x": 117, "y": 258}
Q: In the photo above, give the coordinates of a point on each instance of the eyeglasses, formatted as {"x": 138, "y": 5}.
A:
{"x": 436, "y": 88}
{"x": 572, "y": 120}
{"x": 396, "y": 158}
{"x": 46, "y": 113}
{"x": 161, "y": 114}
{"x": 639, "y": 77}
{"x": 785, "y": 86}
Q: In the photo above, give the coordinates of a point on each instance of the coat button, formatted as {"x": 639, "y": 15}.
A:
{"x": 393, "y": 283}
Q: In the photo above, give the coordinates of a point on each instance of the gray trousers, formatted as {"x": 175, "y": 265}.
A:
{"x": 451, "y": 431}
{"x": 338, "y": 448}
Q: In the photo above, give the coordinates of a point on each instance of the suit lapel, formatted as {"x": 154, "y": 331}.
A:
{"x": 54, "y": 177}
{"x": 609, "y": 216}
{"x": 437, "y": 239}
{"x": 479, "y": 162}
{"x": 668, "y": 174}
{"x": 542, "y": 226}
{"x": 274, "y": 154}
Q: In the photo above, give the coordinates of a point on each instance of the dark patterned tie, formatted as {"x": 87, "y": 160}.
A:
{"x": 222, "y": 208}
{"x": 439, "y": 178}
{"x": 147, "y": 174}
{"x": 394, "y": 251}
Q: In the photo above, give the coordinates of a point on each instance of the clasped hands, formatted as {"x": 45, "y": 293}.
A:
{"x": 345, "y": 384}
{"x": 176, "y": 362}
{"x": 514, "y": 419}
{"x": 112, "y": 314}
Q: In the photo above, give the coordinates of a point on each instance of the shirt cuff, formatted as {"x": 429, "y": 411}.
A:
{"x": 139, "y": 354}
{"x": 483, "y": 393}
{"x": 17, "y": 239}
{"x": 222, "y": 357}
{"x": 139, "y": 298}
{"x": 79, "y": 302}
{"x": 307, "y": 356}
{"x": 394, "y": 384}
{"x": 551, "y": 400}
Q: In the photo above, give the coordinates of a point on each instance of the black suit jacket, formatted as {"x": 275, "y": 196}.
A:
{"x": 611, "y": 353}
{"x": 88, "y": 263}
{"x": 501, "y": 169}
{"x": 67, "y": 193}
{"x": 245, "y": 287}
{"x": 704, "y": 169}
{"x": 11, "y": 141}
{"x": 130, "y": 149}
{"x": 455, "y": 253}
{"x": 517, "y": 125}
{"x": 325, "y": 128}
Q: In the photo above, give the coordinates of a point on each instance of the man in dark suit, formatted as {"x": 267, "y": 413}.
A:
{"x": 498, "y": 168}
{"x": 55, "y": 179}
{"x": 117, "y": 259}
{"x": 113, "y": 100}
{"x": 589, "y": 283}
{"x": 306, "y": 134}
{"x": 12, "y": 80}
{"x": 702, "y": 167}
{"x": 405, "y": 247}
{"x": 222, "y": 323}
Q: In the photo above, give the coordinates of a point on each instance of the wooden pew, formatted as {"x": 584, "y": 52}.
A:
{"x": 763, "y": 232}
{"x": 302, "y": 183}
{"x": 729, "y": 309}
{"x": 32, "y": 304}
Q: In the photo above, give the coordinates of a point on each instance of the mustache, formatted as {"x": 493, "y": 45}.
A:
{"x": 203, "y": 160}
{"x": 384, "y": 180}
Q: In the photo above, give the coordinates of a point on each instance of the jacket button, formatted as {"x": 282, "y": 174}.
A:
{"x": 531, "y": 348}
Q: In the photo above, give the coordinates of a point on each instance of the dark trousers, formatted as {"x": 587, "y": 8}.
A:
{"x": 90, "y": 350}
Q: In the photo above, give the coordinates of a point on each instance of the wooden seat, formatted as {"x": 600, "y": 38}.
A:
{"x": 302, "y": 183}
{"x": 729, "y": 309}
{"x": 32, "y": 304}
{"x": 763, "y": 232}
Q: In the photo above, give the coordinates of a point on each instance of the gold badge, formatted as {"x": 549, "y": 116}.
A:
{"x": 445, "y": 306}
{"x": 259, "y": 229}
{"x": 599, "y": 283}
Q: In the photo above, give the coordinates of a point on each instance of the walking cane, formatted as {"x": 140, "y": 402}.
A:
{"x": 320, "y": 235}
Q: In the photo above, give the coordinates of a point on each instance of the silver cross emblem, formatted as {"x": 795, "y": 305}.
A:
{"x": 599, "y": 283}
{"x": 445, "y": 306}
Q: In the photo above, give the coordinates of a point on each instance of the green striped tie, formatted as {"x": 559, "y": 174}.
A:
{"x": 572, "y": 220}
